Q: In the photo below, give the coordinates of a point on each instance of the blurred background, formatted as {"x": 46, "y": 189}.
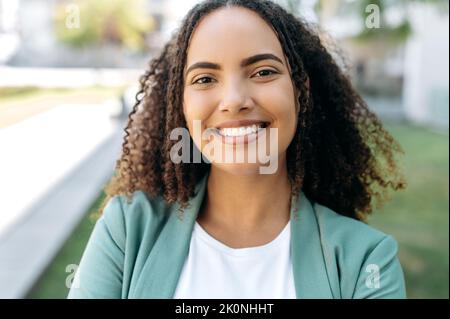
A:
{"x": 68, "y": 75}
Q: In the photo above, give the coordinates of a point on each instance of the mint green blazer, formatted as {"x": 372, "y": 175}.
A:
{"x": 137, "y": 250}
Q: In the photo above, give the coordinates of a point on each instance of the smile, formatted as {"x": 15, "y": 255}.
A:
{"x": 240, "y": 132}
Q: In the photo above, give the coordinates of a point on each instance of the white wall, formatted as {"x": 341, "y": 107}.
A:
{"x": 426, "y": 84}
{"x": 9, "y": 38}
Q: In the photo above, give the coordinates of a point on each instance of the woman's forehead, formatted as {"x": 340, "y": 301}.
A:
{"x": 232, "y": 33}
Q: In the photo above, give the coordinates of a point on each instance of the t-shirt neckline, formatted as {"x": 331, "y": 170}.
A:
{"x": 245, "y": 251}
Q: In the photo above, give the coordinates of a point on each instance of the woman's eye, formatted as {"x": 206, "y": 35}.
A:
{"x": 199, "y": 81}
{"x": 208, "y": 80}
{"x": 265, "y": 73}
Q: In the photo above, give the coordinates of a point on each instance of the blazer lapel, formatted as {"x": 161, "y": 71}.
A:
{"x": 159, "y": 276}
{"x": 310, "y": 275}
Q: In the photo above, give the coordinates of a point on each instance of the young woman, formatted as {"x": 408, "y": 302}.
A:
{"x": 252, "y": 75}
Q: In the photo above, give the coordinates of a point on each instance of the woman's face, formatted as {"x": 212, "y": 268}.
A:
{"x": 236, "y": 83}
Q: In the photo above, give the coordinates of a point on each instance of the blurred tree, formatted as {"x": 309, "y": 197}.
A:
{"x": 125, "y": 23}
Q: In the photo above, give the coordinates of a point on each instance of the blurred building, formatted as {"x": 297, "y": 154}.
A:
{"x": 408, "y": 79}
{"x": 9, "y": 37}
{"x": 426, "y": 87}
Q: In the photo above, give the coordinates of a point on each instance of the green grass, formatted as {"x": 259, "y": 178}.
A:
{"x": 417, "y": 217}
{"x": 9, "y": 92}
{"x": 52, "y": 284}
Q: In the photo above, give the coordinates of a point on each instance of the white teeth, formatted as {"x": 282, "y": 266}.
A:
{"x": 240, "y": 131}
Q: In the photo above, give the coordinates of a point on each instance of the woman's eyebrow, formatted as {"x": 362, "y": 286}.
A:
{"x": 246, "y": 62}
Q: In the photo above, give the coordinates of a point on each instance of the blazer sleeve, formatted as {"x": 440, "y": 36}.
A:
{"x": 100, "y": 272}
{"x": 381, "y": 275}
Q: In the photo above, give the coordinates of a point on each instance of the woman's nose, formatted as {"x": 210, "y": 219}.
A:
{"x": 235, "y": 98}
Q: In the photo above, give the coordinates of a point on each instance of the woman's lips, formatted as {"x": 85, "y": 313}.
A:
{"x": 240, "y": 131}
{"x": 241, "y": 139}
{"x": 234, "y": 132}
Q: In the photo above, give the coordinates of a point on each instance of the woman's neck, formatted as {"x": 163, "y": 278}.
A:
{"x": 247, "y": 203}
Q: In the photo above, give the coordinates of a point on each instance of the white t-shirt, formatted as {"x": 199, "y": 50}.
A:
{"x": 214, "y": 270}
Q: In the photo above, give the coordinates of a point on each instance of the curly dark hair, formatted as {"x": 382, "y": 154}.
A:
{"x": 340, "y": 157}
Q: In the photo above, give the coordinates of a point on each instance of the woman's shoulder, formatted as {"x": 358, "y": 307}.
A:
{"x": 361, "y": 255}
{"x": 123, "y": 213}
{"x": 350, "y": 236}
{"x": 125, "y": 229}
{"x": 341, "y": 229}
{"x": 138, "y": 204}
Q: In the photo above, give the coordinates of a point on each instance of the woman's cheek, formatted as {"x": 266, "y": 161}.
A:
{"x": 288, "y": 120}
{"x": 196, "y": 108}
{"x": 282, "y": 108}
{"x": 199, "y": 104}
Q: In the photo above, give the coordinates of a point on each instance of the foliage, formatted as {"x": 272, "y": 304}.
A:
{"x": 121, "y": 22}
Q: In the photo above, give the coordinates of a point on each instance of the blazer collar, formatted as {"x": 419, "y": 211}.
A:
{"x": 162, "y": 269}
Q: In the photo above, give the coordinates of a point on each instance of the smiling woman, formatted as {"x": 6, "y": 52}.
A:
{"x": 253, "y": 76}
